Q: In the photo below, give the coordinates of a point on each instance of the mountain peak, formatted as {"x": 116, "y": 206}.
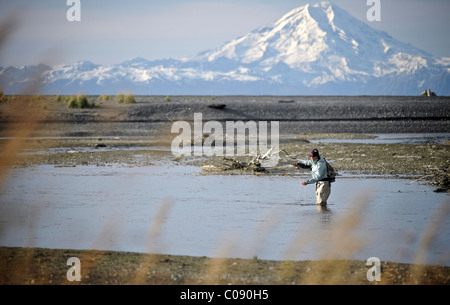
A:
{"x": 296, "y": 38}
{"x": 311, "y": 12}
{"x": 310, "y": 38}
{"x": 325, "y": 5}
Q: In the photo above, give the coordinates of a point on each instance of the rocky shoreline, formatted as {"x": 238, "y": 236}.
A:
{"x": 153, "y": 115}
{"x": 424, "y": 163}
{"x": 37, "y": 266}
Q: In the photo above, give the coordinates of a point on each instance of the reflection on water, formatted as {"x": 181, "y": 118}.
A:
{"x": 403, "y": 138}
{"x": 266, "y": 217}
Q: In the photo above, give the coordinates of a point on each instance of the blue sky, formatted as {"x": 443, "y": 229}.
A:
{"x": 112, "y": 31}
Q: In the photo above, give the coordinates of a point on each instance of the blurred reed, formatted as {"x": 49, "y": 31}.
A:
{"x": 21, "y": 116}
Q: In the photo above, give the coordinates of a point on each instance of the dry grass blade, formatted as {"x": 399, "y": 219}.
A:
{"x": 342, "y": 244}
{"x": 429, "y": 234}
{"x": 19, "y": 116}
{"x": 215, "y": 267}
{"x": 267, "y": 224}
{"x": 7, "y": 27}
{"x": 149, "y": 262}
{"x": 91, "y": 258}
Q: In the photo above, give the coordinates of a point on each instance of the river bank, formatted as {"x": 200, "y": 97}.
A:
{"x": 37, "y": 266}
{"x": 424, "y": 163}
{"x": 117, "y": 133}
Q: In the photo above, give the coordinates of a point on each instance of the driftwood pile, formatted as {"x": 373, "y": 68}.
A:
{"x": 230, "y": 164}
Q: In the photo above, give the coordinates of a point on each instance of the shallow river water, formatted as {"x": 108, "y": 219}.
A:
{"x": 176, "y": 210}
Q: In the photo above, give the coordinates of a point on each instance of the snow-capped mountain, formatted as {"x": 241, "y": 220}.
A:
{"x": 314, "y": 49}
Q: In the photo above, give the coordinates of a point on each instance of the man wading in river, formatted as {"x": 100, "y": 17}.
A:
{"x": 319, "y": 175}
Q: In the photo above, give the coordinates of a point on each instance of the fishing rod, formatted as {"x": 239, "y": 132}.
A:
{"x": 298, "y": 166}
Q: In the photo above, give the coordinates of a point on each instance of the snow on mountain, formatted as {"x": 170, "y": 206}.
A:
{"x": 323, "y": 44}
{"x": 313, "y": 49}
